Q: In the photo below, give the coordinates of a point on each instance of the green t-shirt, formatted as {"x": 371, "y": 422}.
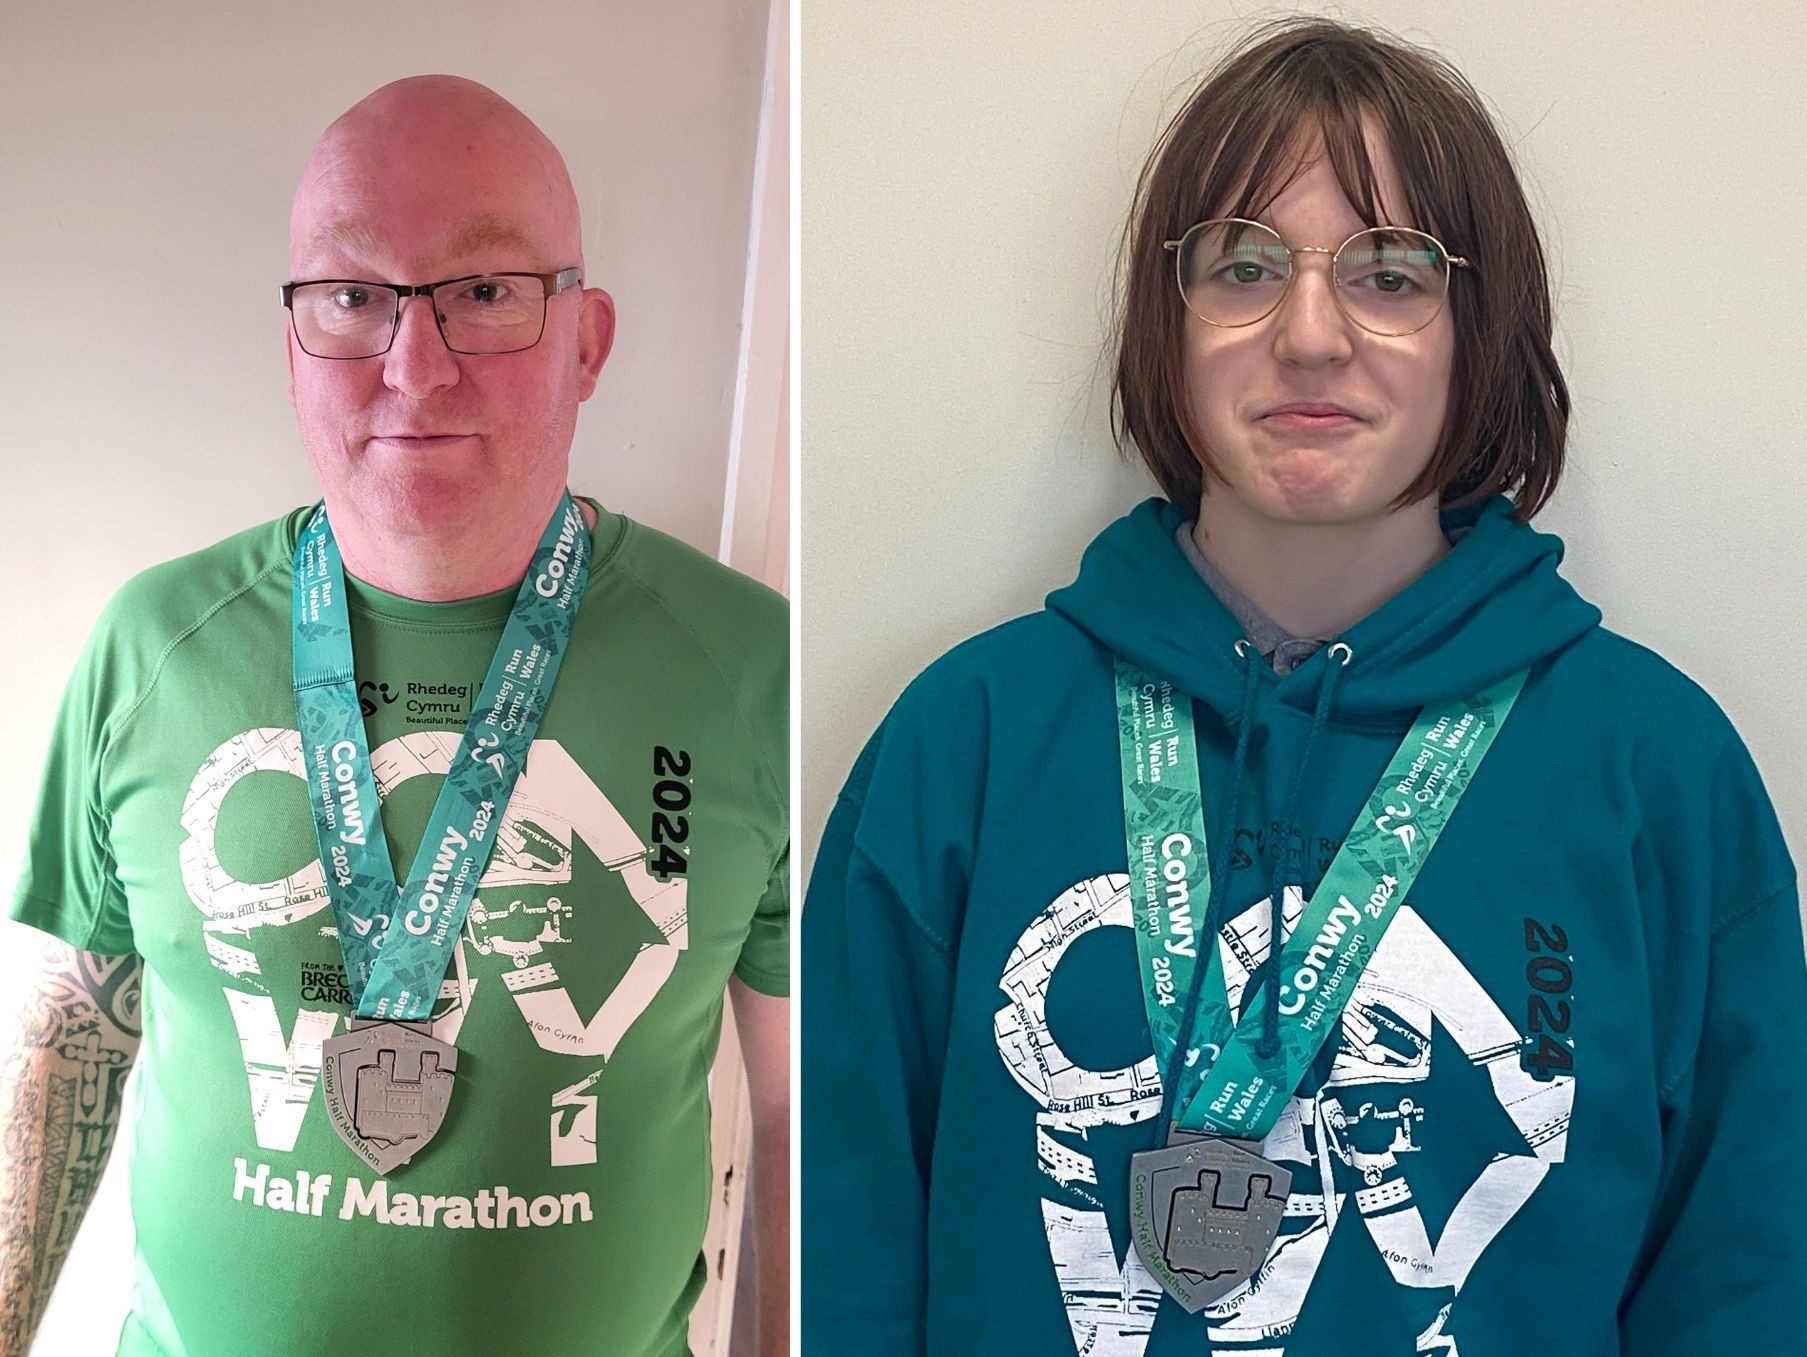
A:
{"x": 642, "y": 861}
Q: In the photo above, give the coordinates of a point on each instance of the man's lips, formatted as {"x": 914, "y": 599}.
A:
{"x": 420, "y": 440}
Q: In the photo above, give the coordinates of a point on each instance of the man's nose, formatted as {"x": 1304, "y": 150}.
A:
{"x": 418, "y": 362}
{"x": 1310, "y": 328}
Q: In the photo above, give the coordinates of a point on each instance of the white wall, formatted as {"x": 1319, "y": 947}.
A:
{"x": 966, "y": 169}
{"x": 150, "y": 157}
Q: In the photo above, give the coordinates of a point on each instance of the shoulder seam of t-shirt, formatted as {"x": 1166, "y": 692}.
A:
{"x": 1763, "y": 902}
{"x": 943, "y": 948}
{"x": 113, "y": 728}
{"x": 740, "y": 714}
{"x": 190, "y": 630}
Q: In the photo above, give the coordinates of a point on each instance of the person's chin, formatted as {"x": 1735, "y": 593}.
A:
{"x": 426, "y": 495}
{"x": 1309, "y": 484}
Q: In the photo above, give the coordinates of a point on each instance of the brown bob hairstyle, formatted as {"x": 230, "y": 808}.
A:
{"x": 1246, "y": 125}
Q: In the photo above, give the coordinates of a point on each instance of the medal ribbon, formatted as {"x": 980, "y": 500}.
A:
{"x": 1240, "y": 1094}
{"x": 398, "y": 942}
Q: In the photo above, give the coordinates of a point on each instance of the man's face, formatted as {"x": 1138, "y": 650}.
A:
{"x": 1308, "y": 350}
{"x": 415, "y": 190}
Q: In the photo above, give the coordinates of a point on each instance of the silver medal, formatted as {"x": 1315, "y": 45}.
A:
{"x": 387, "y": 1087}
{"x": 1204, "y": 1212}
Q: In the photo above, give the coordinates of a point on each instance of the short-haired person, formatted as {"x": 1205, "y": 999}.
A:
{"x": 429, "y": 826}
{"x": 1313, "y": 932}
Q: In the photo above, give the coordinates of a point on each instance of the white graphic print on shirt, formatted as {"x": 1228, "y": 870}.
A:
{"x": 1412, "y": 984}
{"x": 553, "y": 801}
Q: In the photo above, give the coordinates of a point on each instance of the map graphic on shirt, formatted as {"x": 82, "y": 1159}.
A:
{"x": 553, "y": 803}
{"x": 1351, "y": 1146}
{"x": 640, "y": 862}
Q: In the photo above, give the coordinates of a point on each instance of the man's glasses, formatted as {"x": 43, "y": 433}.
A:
{"x": 1390, "y": 280}
{"x": 484, "y": 313}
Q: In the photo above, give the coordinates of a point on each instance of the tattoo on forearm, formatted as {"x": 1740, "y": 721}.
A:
{"x": 63, "y": 1068}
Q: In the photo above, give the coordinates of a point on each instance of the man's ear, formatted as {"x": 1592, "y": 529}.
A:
{"x": 288, "y": 335}
{"x": 595, "y": 337}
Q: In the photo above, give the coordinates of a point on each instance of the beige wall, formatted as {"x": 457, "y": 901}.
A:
{"x": 150, "y": 159}
{"x": 965, "y": 173}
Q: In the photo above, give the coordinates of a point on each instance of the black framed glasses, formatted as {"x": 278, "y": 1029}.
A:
{"x": 482, "y": 313}
{"x": 1390, "y": 280}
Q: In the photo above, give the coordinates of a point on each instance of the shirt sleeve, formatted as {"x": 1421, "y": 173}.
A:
{"x": 765, "y": 957}
{"x": 882, "y": 931}
{"x": 876, "y": 1015}
{"x": 69, "y": 886}
{"x": 1723, "y": 1258}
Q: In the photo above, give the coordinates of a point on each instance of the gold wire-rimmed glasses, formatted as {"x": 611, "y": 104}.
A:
{"x": 1390, "y": 280}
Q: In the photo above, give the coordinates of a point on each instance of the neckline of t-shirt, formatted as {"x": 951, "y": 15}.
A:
{"x": 489, "y": 609}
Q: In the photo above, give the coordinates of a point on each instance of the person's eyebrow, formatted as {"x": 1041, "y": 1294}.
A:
{"x": 348, "y": 237}
{"x": 479, "y": 233}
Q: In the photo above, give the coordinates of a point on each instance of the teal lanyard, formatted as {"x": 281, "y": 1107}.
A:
{"x": 1236, "y": 1092}
{"x": 398, "y": 942}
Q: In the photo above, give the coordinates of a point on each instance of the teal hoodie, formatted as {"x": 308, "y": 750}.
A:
{"x": 1548, "y": 1121}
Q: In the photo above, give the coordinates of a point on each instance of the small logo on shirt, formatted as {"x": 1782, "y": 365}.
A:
{"x": 323, "y": 982}
{"x": 380, "y": 689}
{"x": 428, "y": 704}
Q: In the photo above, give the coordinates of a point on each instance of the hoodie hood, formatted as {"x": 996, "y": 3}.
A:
{"x": 1493, "y": 605}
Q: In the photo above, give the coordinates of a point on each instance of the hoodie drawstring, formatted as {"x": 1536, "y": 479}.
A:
{"x": 1219, "y": 898}
{"x": 1283, "y": 858}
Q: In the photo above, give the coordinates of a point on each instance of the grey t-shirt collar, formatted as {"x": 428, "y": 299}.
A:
{"x": 1277, "y": 645}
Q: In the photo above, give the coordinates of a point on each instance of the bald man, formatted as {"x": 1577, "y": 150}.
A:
{"x": 416, "y": 836}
